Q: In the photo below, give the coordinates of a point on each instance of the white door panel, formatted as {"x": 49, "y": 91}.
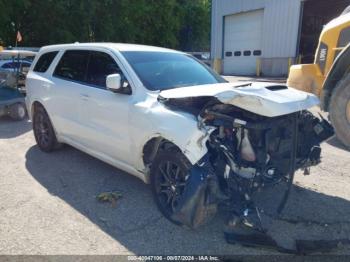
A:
{"x": 66, "y": 87}
{"x": 105, "y": 116}
{"x": 242, "y": 42}
{"x": 64, "y": 111}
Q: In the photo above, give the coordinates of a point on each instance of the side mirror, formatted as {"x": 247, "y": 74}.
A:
{"x": 114, "y": 82}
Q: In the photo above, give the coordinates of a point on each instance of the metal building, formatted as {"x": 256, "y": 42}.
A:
{"x": 250, "y": 37}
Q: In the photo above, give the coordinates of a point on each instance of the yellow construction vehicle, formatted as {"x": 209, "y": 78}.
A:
{"x": 329, "y": 75}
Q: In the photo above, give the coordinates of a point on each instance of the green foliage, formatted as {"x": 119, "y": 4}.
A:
{"x": 180, "y": 24}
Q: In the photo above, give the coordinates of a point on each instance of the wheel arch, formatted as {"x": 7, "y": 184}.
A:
{"x": 193, "y": 147}
{"x": 340, "y": 68}
{"x": 34, "y": 106}
{"x": 153, "y": 145}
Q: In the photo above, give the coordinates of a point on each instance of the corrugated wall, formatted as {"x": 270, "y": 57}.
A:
{"x": 280, "y": 26}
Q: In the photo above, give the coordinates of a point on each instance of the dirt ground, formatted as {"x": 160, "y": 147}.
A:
{"x": 48, "y": 206}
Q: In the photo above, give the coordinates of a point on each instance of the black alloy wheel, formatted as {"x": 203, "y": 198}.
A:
{"x": 43, "y": 131}
{"x": 169, "y": 174}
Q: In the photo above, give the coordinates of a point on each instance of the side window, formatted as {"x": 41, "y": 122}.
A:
{"x": 100, "y": 66}
{"x": 72, "y": 65}
{"x": 44, "y": 62}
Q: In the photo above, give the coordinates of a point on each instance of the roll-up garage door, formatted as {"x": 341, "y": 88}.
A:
{"x": 242, "y": 42}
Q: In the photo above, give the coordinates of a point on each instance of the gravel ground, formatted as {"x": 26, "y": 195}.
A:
{"x": 48, "y": 206}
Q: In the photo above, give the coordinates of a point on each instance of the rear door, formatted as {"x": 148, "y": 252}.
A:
{"x": 69, "y": 83}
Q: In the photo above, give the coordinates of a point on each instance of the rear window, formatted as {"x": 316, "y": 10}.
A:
{"x": 44, "y": 62}
{"x": 73, "y": 65}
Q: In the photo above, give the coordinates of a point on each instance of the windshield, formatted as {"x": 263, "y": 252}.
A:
{"x": 162, "y": 70}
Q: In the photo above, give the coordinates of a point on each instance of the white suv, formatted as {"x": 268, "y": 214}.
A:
{"x": 168, "y": 119}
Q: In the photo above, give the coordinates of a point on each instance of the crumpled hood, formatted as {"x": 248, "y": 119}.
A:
{"x": 266, "y": 99}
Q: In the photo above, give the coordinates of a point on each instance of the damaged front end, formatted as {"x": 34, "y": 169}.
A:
{"x": 246, "y": 153}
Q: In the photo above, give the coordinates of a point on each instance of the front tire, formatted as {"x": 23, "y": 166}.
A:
{"x": 340, "y": 111}
{"x": 43, "y": 131}
{"x": 169, "y": 173}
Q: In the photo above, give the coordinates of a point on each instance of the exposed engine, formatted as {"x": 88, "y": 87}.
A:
{"x": 249, "y": 152}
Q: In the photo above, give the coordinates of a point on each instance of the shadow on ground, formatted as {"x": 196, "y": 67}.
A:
{"x": 136, "y": 223}
{"x": 334, "y": 141}
{"x": 10, "y": 128}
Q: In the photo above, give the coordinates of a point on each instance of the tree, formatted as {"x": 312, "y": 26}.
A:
{"x": 195, "y": 32}
{"x": 179, "y": 24}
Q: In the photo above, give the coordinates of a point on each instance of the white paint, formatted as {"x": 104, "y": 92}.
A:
{"x": 112, "y": 127}
{"x": 115, "y": 127}
{"x": 243, "y": 32}
{"x": 337, "y": 21}
{"x": 255, "y": 98}
{"x": 107, "y": 46}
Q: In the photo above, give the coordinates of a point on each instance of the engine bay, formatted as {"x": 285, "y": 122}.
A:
{"x": 250, "y": 152}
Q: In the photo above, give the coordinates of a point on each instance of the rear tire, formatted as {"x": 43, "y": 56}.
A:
{"x": 340, "y": 110}
{"x": 43, "y": 131}
{"x": 17, "y": 111}
{"x": 169, "y": 173}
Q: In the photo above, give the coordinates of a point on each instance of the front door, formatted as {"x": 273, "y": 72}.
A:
{"x": 104, "y": 114}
